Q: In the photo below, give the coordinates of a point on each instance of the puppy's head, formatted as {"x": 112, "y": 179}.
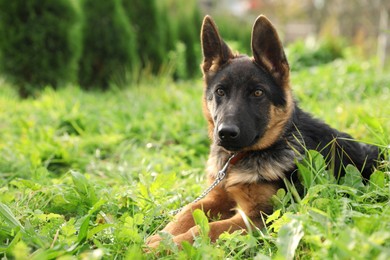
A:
{"x": 247, "y": 100}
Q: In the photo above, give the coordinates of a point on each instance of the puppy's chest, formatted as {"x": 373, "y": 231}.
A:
{"x": 258, "y": 171}
{"x": 253, "y": 198}
{"x": 255, "y": 168}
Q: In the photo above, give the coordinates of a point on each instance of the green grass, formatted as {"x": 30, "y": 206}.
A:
{"x": 84, "y": 174}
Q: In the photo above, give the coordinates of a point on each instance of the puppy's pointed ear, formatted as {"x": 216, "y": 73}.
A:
{"x": 268, "y": 50}
{"x": 215, "y": 50}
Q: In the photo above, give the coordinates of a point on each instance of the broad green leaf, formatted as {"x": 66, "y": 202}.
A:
{"x": 134, "y": 252}
{"x": 279, "y": 199}
{"x": 9, "y": 217}
{"x": 98, "y": 229}
{"x": 288, "y": 239}
{"x": 202, "y": 221}
{"x": 306, "y": 175}
{"x": 83, "y": 231}
{"x": 378, "y": 179}
{"x": 274, "y": 216}
{"x": 96, "y": 206}
{"x": 281, "y": 193}
{"x": 318, "y": 161}
{"x": 21, "y": 250}
{"x": 188, "y": 249}
{"x": 21, "y": 183}
{"x": 352, "y": 178}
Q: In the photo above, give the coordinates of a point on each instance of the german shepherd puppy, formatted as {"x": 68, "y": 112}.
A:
{"x": 250, "y": 110}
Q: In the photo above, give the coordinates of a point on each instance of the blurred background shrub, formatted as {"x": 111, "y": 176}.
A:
{"x": 148, "y": 26}
{"x": 302, "y": 54}
{"x": 109, "y": 45}
{"x": 39, "y": 43}
{"x": 103, "y": 43}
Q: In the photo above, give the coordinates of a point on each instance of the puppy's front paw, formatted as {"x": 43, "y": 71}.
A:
{"x": 151, "y": 248}
{"x": 153, "y": 239}
{"x": 160, "y": 243}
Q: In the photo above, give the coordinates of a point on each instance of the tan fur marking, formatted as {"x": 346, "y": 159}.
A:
{"x": 278, "y": 120}
{"x": 266, "y": 63}
{"x": 214, "y": 164}
{"x": 253, "y": 198}
{"x": 210, "y": 121}
{"x": 257, "y": 172}
{"x": 268, "y": 173}
{"x": 216, "y": 63}
{"x": 216, "y": 229}
{"x": 182, "y": 225}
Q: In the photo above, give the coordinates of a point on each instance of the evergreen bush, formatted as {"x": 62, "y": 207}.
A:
{"x": 109, "y": 45}
{"x": 145, "y": 18}
{"x": 190, "y": 21}
{"x": 189, "y": 31}
{"x": 39, "y": 43}
{"x": 184, "y": 21}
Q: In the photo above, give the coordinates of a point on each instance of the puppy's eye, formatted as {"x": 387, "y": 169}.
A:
{"x": 220, "y": 92}
{"x": 258, "y": 93}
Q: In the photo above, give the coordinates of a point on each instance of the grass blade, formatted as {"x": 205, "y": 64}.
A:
{"x": 9, "y": 217}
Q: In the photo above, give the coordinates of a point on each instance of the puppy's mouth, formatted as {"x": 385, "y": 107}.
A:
{"x": 237, "y": 146}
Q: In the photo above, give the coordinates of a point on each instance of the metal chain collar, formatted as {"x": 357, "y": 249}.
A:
{"x": 220, "y": 176}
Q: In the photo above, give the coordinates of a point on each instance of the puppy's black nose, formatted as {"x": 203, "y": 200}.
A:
{"x": 228, "y": 132}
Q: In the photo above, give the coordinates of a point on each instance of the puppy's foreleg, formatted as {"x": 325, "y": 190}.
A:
{"x": 215, "y": 204}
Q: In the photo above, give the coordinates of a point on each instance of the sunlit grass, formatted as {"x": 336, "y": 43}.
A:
{"x": 86, "y": 173}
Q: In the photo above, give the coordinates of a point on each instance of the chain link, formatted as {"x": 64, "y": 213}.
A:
{"x": 220, "y": 176}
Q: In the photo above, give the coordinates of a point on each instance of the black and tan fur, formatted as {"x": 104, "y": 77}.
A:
{"x": 250, "y": 109}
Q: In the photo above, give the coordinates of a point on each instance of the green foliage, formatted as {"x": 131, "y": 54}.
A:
{"x": 330, "y": 220}
{"x": 189, "y": 28}
{"x": 9, "y": 218}
{"x": 237, "y": 34}
{"x": 288, "y": 239}
{"x": 183, "y": 25}
{"x": 148, "y": 25}
{"x": 313, "y": 170}
{"x": 39, "y": 43}
{"x": 109, "y": 45}
{"x": 84, "y": 175}
{"x": 303, "y": 54}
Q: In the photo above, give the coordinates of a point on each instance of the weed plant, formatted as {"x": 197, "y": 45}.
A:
{"x": 90, "y": 175}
